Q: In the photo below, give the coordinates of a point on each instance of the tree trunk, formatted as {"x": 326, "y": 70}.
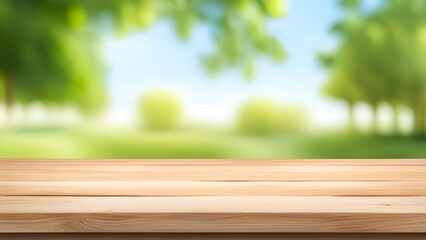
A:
{"x": 416, "y": 119}
{"x": 419, "y": 119}
{"x": 351, "y": 116}
{"x": 375, "y": 118}
{"x": 395, "y": 121}
{"x": 8, "y": 95}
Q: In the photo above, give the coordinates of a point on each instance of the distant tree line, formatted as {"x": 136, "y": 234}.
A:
{"x": 381, "y": 59}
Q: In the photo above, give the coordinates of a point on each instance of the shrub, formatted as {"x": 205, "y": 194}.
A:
{"x": 160, "y": 110}
{"x": 293, "y": 119}
{"x": 259, "y": 116}
{"x": 262, "y": 116}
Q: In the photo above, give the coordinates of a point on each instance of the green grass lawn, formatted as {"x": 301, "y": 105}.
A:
{"x": 81, "y": 143}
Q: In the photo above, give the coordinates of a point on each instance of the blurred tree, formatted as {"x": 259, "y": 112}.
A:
{"x": 160, "y": 110}
{"x": 240, "y": 34}
{"x": 45, "y": 57}
{"x": 344, "y": 83}
{"x": 407, "y": 27}
{"x": 382, "y": 58}
{"x": 49, "y": 48}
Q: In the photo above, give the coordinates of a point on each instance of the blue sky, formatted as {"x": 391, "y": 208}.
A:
{"x": 156, "y": 59}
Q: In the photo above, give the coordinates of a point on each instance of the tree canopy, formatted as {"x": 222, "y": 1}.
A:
{"x": 381, "y": 58}
{"x": 50, "y": 49}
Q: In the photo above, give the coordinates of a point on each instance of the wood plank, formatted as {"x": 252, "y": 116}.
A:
{"x": 378, "y": 196}
{"x": 212, "y": 236}
{"x": 213, "y": 162}
{"x": 212, "y": 214}
{"x": 136, "y": 170}
{"x": 213, "y": 223}
{"x": 211, "y": 174}
{"x": 194, "y": 188}
{"x": 225, "y": 204}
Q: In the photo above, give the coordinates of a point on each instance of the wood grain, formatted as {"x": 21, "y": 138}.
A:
{"x": 214, "y": 222}
{"x": 220, "y": 173}
{"x": 226, "y": 204}
{"x": 212, "y": 214}
{"x": 198, "y": 188}
{"x": 212, "y": 236}
{"x": 212, "y": 196}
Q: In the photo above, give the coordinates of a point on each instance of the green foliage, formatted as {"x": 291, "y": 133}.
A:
{"x": 350, "y": 3}
{"x": 49, "y": 48}
{"x": 275, "y": 8}
{"x": 293, "y": 119}
{"x": 326, "y": 59}
{"x": 241, "y": 35}
{"x": 259, "y": 116}
{"x": 382, "y": 58}
{"x": 48, "y": 55}
{"x": 263, "y": 116}
{"x": 160, "y": 110}
{"x": 201, "y": 144}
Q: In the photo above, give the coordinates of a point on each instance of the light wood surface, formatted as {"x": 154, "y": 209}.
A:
{"x": 211, "y": 236}
{"x": 211, "y": 173}
{"x": 204, "y": 188}
{"x": 196, "y": 196}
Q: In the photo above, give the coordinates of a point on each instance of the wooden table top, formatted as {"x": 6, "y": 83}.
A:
{"x": 192, "y": 196}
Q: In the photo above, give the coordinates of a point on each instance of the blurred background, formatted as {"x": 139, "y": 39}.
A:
{"x": 252, "y": 79}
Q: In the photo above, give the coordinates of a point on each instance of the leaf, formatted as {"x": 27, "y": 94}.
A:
{"x": 77, "y": 17}
{"x": 276, "y": 51}
{"x": 184, "y": 25}
{"x": 276, "y": 8}
{"x": 146, "y": 17}
{"x": 326, "y": 59}
{"x": 350, "y": 3}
